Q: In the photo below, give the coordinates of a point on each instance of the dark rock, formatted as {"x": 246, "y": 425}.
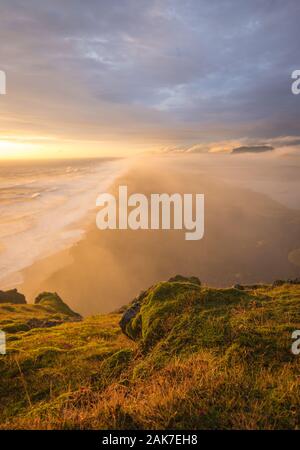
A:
{"x": 240, "y": 287}
{"x": 132, "y": 311}
{"x": 120, "y": 310}
{"x": 289, "y": 281}
{"x": 12, "y": 296}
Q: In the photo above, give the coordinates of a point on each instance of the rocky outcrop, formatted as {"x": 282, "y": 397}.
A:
{"x": 12, "y": 296}
{"x": 131, "y": 312}
{"x": 52, "y": 300}
{"x": 182, "y": 279}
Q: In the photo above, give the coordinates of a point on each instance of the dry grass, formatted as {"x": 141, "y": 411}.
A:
{"x": 221, "y": 360}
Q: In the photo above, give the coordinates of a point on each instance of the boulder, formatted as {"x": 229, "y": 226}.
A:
{"x": 130, "y": 321}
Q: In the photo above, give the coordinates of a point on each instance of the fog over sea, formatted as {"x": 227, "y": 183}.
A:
{"x": 252, "y": 223}
{"x": 43, "y": 206}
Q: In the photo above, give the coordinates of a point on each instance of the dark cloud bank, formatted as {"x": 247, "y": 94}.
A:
{"x": 176, "y": 71}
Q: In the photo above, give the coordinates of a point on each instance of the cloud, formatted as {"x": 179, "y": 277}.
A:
{"x": 281, "y": 146}
{"x": 252, "y": 149}
{"x": 171, "y": 72}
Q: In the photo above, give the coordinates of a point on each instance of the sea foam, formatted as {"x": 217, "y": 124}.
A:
{"x": 43, "y": 207}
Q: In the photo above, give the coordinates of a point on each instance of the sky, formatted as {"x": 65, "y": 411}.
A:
{"x": 120, "y": 77}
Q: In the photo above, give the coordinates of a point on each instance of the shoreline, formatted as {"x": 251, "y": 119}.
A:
{"x": 73, "y": 226}
{"x": 107, "y": 269}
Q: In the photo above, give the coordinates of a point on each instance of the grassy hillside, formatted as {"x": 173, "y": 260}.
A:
{"x": 189, "y": 357}
{"x": 49, "y": 310}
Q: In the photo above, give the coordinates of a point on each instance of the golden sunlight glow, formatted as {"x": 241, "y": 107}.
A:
{"x": 48, "y": 147}
{"x": 16, "y": 149}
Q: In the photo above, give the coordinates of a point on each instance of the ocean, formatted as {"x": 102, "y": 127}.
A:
{"x": 42, "y": 208}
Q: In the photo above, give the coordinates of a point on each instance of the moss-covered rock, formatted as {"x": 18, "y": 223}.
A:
{"x": 180, "y": 317}
{"x": 48, "y": 311}
{"x": 53, "y": 301}
{"x": 197, "y": 357}
{"x": 183, "y": 279}
{"x": 130, "y": 321}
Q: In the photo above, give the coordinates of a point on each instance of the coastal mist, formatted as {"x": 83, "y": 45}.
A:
{"x": 251, "y": 234}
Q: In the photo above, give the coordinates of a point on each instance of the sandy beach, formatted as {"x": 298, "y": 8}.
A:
{"x": 248, "y": 239}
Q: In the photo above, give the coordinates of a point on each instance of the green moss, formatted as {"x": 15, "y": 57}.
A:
{"x": 53, "y": 301}
{"x": 197, "y": 358}
{"x": 185, "y": 316}
{"x": 48, "y": 312}
{"x": 117, "y": 362}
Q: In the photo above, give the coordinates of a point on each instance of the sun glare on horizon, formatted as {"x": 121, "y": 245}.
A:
{"x": 16, "y": 150}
